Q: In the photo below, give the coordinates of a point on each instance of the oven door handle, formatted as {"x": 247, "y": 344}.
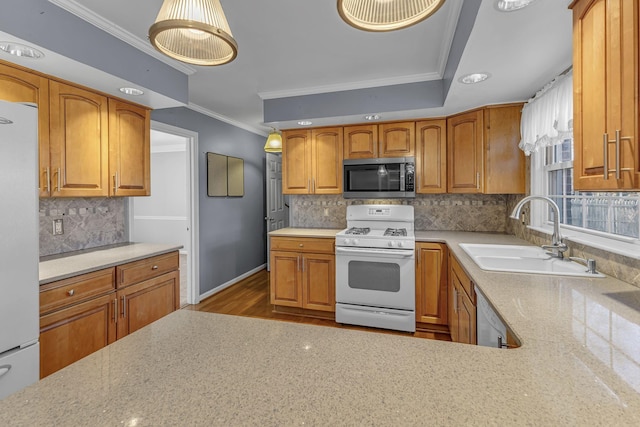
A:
{"x": 374, "y": 252}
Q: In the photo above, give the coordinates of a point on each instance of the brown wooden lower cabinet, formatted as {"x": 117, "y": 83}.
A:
{"x": 72, "y": 333}
{"x": 83, "y": 314}
{"x": 146, "y": 302}
{"x": 462, "y": 305}
{"x": 431, "y": 285}
{"x": 303, "y": 273}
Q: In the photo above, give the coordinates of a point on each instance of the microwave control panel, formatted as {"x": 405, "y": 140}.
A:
{"x": 409, "y": 177}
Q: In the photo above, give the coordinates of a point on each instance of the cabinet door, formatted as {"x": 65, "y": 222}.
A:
{"x": 431, "y": 156}
{"x": 129, "y": 149}
{"x": 464, "y": 152}
{"x": 296, "y": 162}
{"x": 146, "y": 302}
{"x": 79, "y": 142}
{"x": 284, "y": 279}
{"x": 70, "y": 334}
{"x": 397, "y": 139}
{"x": 319, "y": 282}
{"x": 327, "y": 161}
{"x": 605, "y": 60}
{"x": 453, "y": 306}
{"x": 466, "y": 319}
{"x": 504, "y": 163}
{"x": 360, "y": 142}
{"x": 431, "y": 283}
{"x": 21, "y": 86}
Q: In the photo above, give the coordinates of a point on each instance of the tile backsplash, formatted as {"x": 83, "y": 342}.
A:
{"x": 469, "y": 212}
{"x": 457, "y": 212}
{"x": 87, "y": 223}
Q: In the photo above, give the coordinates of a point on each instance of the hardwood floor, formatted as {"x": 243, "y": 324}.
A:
{"x": 250, "y": 297}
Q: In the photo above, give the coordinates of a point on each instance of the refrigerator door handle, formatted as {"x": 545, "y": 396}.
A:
{"x": 4, "y": 369}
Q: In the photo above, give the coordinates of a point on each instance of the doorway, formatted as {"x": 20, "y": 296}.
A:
{"x": 170, "y": 214}
{"x": 277, "y": 214}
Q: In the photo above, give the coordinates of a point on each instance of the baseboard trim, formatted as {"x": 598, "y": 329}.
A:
{"x": 232, "y": 282}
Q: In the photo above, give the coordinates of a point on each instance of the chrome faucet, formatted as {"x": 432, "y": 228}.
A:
{"x": 557, "y": 247}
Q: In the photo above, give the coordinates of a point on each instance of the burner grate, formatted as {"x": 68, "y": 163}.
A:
{"x": 358, "y": 230}
{"x": 394, "y": 232}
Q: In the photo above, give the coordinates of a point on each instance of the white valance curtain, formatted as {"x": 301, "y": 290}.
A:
{"x": 547, "y": 118}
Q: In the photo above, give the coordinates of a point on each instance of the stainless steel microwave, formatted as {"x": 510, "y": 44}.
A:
{"x": 388, "y": 178}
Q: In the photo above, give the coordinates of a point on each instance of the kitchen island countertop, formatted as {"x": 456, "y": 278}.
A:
{"x": 579, "y": 364}
{"x": 62, "y": 267}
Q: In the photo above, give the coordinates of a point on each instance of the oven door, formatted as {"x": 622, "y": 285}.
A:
{"x": 376, "y": 277}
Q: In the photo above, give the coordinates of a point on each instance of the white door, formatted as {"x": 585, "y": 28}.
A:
{"x": 277, "y": 215}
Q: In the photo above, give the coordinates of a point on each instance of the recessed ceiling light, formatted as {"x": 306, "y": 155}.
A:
{"x": 305, "y": 122}
{"x": 474, "y": 78}
{"x": 21, "y": 50}
{"x": 511, "y": 5}
{"x": 372, "y": 117}
{"x": 131, "y": 91}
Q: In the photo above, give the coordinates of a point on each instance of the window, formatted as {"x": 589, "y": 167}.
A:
{"x": 612, "y": 215}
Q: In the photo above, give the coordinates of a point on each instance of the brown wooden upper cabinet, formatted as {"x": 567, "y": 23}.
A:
{"x": 90, "y": 145}
{"x": 312, "y": 161}
{"x": 129, "y": 149}
{"x": 465, "y": 143}
{"x": 431, "y": 156}
{"x": 482, "y": 151}
{"x": 381, "y": 140}
{"x": 606, "y": 94}
{"x": 79, "y": 142}
{"x": 17, "y": 85}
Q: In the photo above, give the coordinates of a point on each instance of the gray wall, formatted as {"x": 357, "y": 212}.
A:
{"x": 232, "y": 230}
{"x": 51, "y": 27}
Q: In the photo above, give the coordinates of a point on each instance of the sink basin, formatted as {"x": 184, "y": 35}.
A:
{"x": 522, "y": 259}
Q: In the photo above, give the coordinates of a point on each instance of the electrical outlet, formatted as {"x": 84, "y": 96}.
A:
{"x": 326, "y": 211}
{"x": 57, "y": 227}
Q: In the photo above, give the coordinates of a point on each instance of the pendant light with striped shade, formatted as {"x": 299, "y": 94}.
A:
{"x": 386, "y": 15}
{"x": 194, "y": 31}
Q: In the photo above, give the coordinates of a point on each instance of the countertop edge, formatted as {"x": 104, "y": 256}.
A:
{"x": 75, "y": 265}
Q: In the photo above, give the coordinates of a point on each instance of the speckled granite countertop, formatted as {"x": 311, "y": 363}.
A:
{"x": 579, "y": 364}
{"x": 306, "y": 232}
{"x": 57, "y": 268}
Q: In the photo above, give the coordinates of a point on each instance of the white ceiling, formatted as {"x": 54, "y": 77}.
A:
{"x": 299, "y": 47}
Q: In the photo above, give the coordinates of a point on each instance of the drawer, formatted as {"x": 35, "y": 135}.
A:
{"x": 148, "y": 268}
{"x": 303, "y": 244}
{"x": 67, "y": 292}
{"x": 465, "y": 281}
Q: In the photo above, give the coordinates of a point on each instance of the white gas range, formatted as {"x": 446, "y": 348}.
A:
{"x": 375, "y": 267}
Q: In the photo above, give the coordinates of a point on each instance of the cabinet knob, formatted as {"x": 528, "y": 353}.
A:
{"x": 155, "y": 267}
{"x": 70, "y": 292}
{"x": 301, "y": 245}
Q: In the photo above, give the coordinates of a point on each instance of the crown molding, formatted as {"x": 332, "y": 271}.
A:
{"x": 214, "y": 115}
{"x": 364, "y": 84}
{"x": 109, "y": 27}
{"x": 452, "y": 24}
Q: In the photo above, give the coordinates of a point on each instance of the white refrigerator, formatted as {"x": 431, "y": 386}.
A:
{"x": 19, "y": 254}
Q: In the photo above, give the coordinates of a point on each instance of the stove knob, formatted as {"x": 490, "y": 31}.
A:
{"x": 355, "y": 241}
{"x": 400, "y": 244}
{"x": 392, "y": 244}
{"x": 347, "y": 241}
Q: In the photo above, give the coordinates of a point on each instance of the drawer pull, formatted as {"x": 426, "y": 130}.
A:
{"x": 301, "y": 245}
{"x": 71, "y": 292}
{"x": 155, "y": 267}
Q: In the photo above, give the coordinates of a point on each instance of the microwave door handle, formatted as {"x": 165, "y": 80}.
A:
{"x": 402, "y": 170}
